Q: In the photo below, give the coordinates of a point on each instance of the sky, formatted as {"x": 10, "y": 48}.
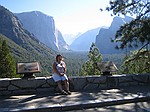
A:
{"x": 70, "y": 16}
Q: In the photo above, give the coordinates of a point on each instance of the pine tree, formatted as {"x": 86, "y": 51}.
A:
{"x": 7, "y": 62}
{"x": 137, "y": 31}
{"x": 141, "y": 63}
{"x": 90, "y": 67}
{"x": 134, "y": 33}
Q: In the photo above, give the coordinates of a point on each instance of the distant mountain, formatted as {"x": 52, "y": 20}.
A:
{"x": 69, "y": 38}
{"x": 103, "y": 39}
{"x": 84, "y": 41}
{"x": 43, "y": 27}
{"x": 24, "y": 46}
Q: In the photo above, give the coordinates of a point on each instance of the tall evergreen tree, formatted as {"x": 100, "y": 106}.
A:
{"x": 90, "y": 67}
{"x": 7, "y": 62}
{"x": 134, "y": 33}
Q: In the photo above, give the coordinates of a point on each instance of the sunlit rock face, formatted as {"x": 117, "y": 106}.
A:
{"x": 43, "y": 27}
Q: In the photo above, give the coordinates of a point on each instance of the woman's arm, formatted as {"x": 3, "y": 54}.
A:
{"x": 65, "y": 69}
{"x": 54, "y": 68}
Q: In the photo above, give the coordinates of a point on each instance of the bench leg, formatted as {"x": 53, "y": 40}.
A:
{"x": 28, "y": 75}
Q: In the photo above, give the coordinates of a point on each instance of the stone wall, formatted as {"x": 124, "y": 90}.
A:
{"x": 16, "y": 86}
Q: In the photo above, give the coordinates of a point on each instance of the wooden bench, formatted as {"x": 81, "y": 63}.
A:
{"x": 28, "y": 69}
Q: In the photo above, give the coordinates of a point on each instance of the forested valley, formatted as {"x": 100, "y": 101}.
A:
{"x": 75, "y": 60}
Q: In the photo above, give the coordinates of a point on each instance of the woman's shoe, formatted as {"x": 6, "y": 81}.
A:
{"x": 69, "y": 93}
{"x": 64, "y": 92}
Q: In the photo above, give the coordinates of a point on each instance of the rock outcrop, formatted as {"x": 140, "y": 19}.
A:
{"x": 43, "y": 27}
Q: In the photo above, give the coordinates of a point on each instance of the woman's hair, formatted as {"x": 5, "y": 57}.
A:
{"x": 58, "y": 56}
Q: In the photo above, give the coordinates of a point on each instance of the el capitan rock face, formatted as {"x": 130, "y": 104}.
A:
{"x": 11, "y": 27}
{"x": 43, "y": 27}
{"x": 24, "y": 46}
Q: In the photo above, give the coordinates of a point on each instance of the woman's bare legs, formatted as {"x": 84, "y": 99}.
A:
{"x": 59, "y": 85}
{"x": 67, "y": 86}
{"x": 61, "y": 88}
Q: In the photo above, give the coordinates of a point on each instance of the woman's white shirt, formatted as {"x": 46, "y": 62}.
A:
{"x": 60, "y": 67}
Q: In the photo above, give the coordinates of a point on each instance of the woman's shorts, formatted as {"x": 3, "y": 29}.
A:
{"x": 57, "y": 77}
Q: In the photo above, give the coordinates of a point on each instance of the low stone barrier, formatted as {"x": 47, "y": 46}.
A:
{"x": 17, "y": 86}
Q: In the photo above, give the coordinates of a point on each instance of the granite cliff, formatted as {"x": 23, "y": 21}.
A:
{"x": 43, "y": 27}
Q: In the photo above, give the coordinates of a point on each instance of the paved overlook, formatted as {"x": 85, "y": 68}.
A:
{"x": 123, "y": 93}
{"x": 127, "y": 99}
